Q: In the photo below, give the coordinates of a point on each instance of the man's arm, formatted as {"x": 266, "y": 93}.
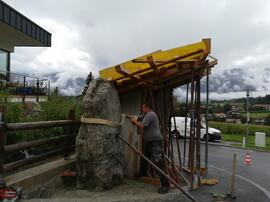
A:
{"x": 137, "y": 123}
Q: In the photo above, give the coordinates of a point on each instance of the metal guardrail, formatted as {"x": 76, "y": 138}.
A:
{"x": 22, "y": 85}
{"x": 66, "y": 149}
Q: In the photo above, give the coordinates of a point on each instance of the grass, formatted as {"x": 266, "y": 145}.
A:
{"x": 251, "y": 141}
{"x": 235, "y": 132}
{"x": 239, "y": 129}
{"x": 256, "y": 115}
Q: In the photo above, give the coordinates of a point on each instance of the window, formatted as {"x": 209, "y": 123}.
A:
{"x": 1, "y": 12}
{"x": 24, "y": 29}
{"x": 6, "y": 14}
{"x": 13, "y": 18}
{"x": 4, "y": 57}
{"x": 19, "y": 22}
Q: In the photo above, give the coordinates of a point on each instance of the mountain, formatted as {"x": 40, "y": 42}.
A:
{"x": 70, "y": 86}
{"x": 229, "y": 81}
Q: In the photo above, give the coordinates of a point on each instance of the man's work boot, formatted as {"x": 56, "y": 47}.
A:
{"x": 164, "y": 190}
{"x": 79, "y": 184}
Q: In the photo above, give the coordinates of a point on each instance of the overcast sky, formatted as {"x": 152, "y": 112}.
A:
{"x": 88, "y": 35}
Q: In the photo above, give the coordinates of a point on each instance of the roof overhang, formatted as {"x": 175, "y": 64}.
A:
{"x": 18, "y": 30}
{"x": 171, "y": 68}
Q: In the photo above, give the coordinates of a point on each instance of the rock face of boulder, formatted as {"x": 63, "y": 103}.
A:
{"x": 99, "y": 152}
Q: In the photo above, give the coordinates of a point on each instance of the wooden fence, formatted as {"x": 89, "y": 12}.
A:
{"x": 67, "y": 139}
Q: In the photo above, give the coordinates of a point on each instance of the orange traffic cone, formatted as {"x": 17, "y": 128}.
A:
{"x": 248, "y": 160}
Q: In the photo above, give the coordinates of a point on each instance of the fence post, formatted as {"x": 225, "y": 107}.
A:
{"x": 37, "y": 99}
{"x": 2, "y": 140}
{"x": 24, "y": 89}
{"x": 49, "y": 90}
{"x": 69, "y": 131}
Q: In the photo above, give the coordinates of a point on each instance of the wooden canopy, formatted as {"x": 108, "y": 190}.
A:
{"x": 171, "y": 68}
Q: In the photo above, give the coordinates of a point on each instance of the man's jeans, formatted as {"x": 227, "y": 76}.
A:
{"x": 154, "y": 152}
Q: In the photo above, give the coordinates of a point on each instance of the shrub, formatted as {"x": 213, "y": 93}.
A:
{"x": 56, "y": 109}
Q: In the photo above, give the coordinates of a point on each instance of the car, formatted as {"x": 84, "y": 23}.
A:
{"x": 213, "y": 133}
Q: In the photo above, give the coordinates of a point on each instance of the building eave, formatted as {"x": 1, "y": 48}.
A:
{"x": 18, "y": 30}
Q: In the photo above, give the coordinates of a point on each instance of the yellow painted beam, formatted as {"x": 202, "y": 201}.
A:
{"x": 168, "y": 55}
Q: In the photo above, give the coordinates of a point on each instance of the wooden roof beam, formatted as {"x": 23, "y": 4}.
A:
{"x": 152, "y": 63}
{"x": 166, "y": 62}
{"x": 119, "y": 69}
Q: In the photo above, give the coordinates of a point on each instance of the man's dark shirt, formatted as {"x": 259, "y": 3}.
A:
{"x": 151, "y": 130}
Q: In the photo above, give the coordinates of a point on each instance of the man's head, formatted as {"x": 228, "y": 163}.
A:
{"x": 147, "y": 107}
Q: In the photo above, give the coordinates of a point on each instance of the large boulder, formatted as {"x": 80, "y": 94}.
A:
{"x": 99, "y": 152}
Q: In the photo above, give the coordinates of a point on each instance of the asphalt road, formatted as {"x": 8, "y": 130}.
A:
{"x": 252, "y": 182}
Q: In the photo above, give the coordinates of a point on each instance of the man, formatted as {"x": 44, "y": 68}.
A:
{"x": 153, "y": 148}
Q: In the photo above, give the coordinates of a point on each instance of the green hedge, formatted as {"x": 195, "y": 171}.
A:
{"x": 239, "y": 129}
{"x": 57, "y": 108}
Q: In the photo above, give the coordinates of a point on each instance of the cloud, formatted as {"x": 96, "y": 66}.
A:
{"x": 89, "y": 35}
{"x": 64, "y": 57}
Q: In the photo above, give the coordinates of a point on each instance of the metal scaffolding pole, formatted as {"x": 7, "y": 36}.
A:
{"x": 206, "y": 122}
{"x": 166, "y": 121}
{"x": 198, "y": 127}
{"x": 176, "y": 133}
{"x": 192, "y": 139}
{"x": 185, "y": 135}
{"x": 164, "y": 131}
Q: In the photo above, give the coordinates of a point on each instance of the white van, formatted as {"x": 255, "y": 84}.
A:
{"x": 213, "y": 133}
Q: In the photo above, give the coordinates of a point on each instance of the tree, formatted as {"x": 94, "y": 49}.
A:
{"x": 55, "y": 92}
{"x": 89, "y": 78}
{"x": 227, "y": 107}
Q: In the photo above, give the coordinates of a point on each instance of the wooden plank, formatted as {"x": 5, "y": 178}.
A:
{"x": 35, "y": 143}
{"x": 146, "y": 61}
{"x": 161, "y": 61}
{"x": 18, "y": 164}
{"x": 40, "y": 124}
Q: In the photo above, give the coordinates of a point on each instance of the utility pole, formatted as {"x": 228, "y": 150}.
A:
{"x": 247, "y": 109}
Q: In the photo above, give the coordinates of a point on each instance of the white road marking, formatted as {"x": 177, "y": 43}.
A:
{"x": 264, "y": 190}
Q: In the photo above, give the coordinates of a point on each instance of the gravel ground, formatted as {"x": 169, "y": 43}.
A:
{"x": 129, "y": 191}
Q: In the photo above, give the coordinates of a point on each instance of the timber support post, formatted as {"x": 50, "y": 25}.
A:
{"x": 69, "y": 131}
{"x": 232, "y": 182}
